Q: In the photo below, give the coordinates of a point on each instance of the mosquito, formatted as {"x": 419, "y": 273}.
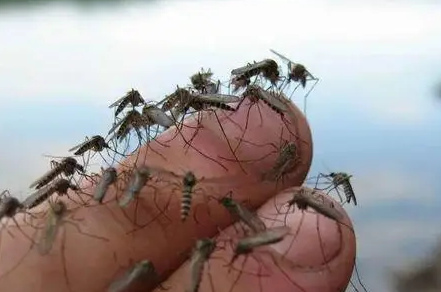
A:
{"x": 276, "y": 102}
{"x": 240, "y": 82}
{"x": 182, "y": 100}
{"x": 298, "y": 73}
{"x": 155, "y": 115}
{"x": 59, "y": 186}
{"x": 188, "y": 184}
{"x": 340, "y": 179}
{"x": 9, "y": 207}
{"x": 267, "y": 67}
{"x": 140, "y": 179}
{"x": 96, "y": 144}
{"x": 180, "y": 95}
{"x": 57, "y": 217}
{"x": 140, "y": 271}
{"x": 247, "y": 245}
{"x": 268, "y": 236}
{"x": 133, "y": 120}
{"x": 201, "y": 254}
{"x": 204, "y": 102}
{"x": 68, "y": 166}
{"x": 249, "y": 218}
{"x": 201, "y": 81}
{"x": 109, "y": 177}
{"x": 132, "y": 97}
{"x": 303, "y": 197}
{"x": 287, "y": 159}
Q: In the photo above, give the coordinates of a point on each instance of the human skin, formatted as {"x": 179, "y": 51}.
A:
{"x": 92, "y": 264}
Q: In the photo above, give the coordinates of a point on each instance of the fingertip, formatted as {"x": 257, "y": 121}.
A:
{"x": 319, "y": 251}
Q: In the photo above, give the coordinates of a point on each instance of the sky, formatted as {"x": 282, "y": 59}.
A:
{"x": 373, "y": 113}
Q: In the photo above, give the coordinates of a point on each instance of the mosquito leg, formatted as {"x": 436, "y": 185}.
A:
{"x": 63, "y": 259}
{"x": 77, "y": 227}
{"x": 246, "y": 127}
{"x": 294, "y": 90}
{"x": 307, "y": 94}
{"x": 199, "y": 121}
{"x": 21, "y": 259}
{"x": 210, "y": 278}
{"x": 321, "y": 243}
{"x": 201, "y": 153}
{"x": 228, "y": 142}
{"x": 21, "y": 230}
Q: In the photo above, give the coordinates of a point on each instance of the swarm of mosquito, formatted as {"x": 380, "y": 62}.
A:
{"x": 137, "y": 122}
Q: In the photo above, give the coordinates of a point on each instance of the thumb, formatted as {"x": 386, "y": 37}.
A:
{"x": 317, "y": 255}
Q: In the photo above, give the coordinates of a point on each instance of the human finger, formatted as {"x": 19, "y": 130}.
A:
{"x": 317, "y": 256}
{"x": 82, "y": 263}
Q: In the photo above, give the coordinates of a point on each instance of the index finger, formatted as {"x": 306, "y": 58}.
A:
{"x": 90, "y": 264}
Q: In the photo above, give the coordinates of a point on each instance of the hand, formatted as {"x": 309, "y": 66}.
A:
{"x": 91, "y": 263}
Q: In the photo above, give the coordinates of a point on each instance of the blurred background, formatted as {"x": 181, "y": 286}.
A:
{"x": 375, "y": 112}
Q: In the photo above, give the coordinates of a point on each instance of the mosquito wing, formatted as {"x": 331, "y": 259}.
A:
{"x": 142, "y": 269}
{"x": 269, "y": 236}
{"x": 116, "y": 125}
{"x": 49, "y": 174}
{"x": 118, "y": 101}
{"x": 162, "y": 173}
{"x": 49, "y": 233}
{"x": 223, "y": 98}
{"x": 273, "y": 100}
{"x": 250, "y": 218}
{"x": 109, "y": 176}
{"x": 160, "y": 117}
{"x": 250, "y": 67}
{"x": 35, "y": 198}
{"x": 196, "y": 267}
{"x": 282, "y": 57}
{"x": 82, "y": 144}
{"x": 322, "y": 208}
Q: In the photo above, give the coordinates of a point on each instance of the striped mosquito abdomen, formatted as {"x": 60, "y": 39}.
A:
{"x": 343, "y": 179}
{"x": 60, "y": 186}
{"x": 349, "y": 192}
{"x": 67, "y": 166}
{"x": 39, "y": 197}
{"x": 189, "y": 182}
{"x": 121, "y": 106}
{"x": 220, "y": 105}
